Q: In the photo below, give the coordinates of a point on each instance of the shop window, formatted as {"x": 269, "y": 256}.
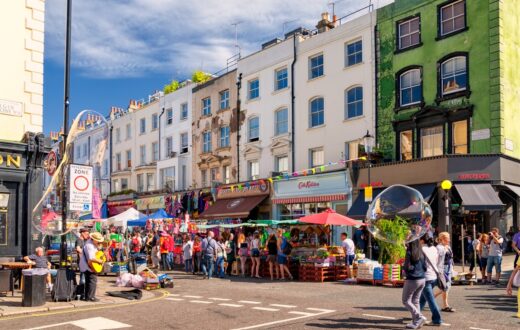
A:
{"x": 254, "y": 89}
{"x": 316, "y": 66}
{"x": 452, "y": 18}
{"x": 281, "y": 122}
{"x": 460, "y": 137}
{"x": 224, "y": 99}
{"x": 226, "y": 177}
{"x": 410, "y": 87}
{"x": 354, "y": 102}
{"x": 432, "y": 141}
{"x": 282, "y": 163}
{"x": 281, "y": 79}
{"x": 129, "y": 159}
{"x": 316, "y": 157}
{"x": 354, "y": 53}
{"x": 406, "y": 143}
{"x": 124, "y": 184}
{"x": 206, "y": 106}
{"x": 253, "y": 169}
{"x": 409, "y": 33}
{"x": 454, "y": 76}
{"x": 253, "y": 129}
{"x": 316, "y": 112}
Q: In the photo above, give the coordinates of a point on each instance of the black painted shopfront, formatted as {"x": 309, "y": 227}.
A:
{"x": 20, "y": 189}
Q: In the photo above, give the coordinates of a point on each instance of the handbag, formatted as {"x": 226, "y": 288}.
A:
{"x": 441, "y": 279}
{"x": 516, "y": 280}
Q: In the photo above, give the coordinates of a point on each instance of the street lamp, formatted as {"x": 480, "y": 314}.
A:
{"x": 446, "y": 186}
{"x": 4, "y": 200}
{"x": 369, "y": 141}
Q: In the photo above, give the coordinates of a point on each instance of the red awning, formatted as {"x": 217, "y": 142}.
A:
{"x": 310, "y": 199}
{"x": 232, "y": 208}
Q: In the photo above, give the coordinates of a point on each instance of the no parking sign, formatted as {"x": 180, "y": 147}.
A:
{"x": 80, "y": 186}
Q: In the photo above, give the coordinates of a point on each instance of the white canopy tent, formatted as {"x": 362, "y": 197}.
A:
{"x": 122, "y": 218}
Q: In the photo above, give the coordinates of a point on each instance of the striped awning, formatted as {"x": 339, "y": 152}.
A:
{"x": 311, "y": 199}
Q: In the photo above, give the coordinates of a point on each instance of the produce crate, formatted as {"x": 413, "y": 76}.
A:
{"x": 316, "y": 274}
{"x": 341, "y": 272}
{"x": 365, "y": 281}
{"x": 391, "y": 273}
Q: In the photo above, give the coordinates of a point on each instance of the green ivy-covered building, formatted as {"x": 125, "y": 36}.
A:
{"x": 447, "y": 97}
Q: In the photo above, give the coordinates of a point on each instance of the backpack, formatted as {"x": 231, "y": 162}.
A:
{"x": 287, "y": 249}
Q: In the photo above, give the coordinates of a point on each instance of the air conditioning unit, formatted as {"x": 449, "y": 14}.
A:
{"x": 173, "y": 154}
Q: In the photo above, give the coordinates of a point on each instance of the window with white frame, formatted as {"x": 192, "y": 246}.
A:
{"x": 140, "y": 182}
{"x": 316, "y": 66}
{"x": 118, "y": 135}
{"x": 224, "y": 136}
{"x": 142, "y": 126}
{"x": 184, "y": 111}
{"x": 354, "y": 102}
{"x": 452, "y": 17}
{"x": 169, "y": 116}
{"x": 409, "y": 33}
{"x": 432, "y": 141}
{"x": 155, "y": 151}
{"x": 124, "y": 184}
{"x": 351, "y": 150}
{"x": 142, "y": 155}
{"x": 168, "y": 178}
{"x": 254, "y": 89}
{"x": 281, "y": 121}
{"x": 253, "y": 128}
{"x": 115, "y": 185}
{"x": 410, "y": 87}
{"x": 150, "y": 182}
{"x": 169, "y": 146}
{"x": 206, "y": 106}
{"x": 253, "y": 169}
{"x": 206, "y": 141}
{"x": 354, "y": 53}
{"x": 316, "y": 157}
{"x": 129, "y": 159}
{"x": 226, "y": 175}
{"x": 406, "y": 144}
{"x": 281, "y": 79}
{"x": 213, "y": 173}
{"x": 454, "y": 75}
{"x": 460, "y": 137}
{"x": 282, "y": 163}
{"x": 316, "y": 112}
{"x": 184, "y": 143}
{"x": 204, "y": 178}
{"x": 128, "y": 131}
{"x": 118, "y": 162}
{"x": 224, "y": 99}
{"x": 155, "y": 122}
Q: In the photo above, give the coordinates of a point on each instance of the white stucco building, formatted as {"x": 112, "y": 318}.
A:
{"x": 175, "y": 160}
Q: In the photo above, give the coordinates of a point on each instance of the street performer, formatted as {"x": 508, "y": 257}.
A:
{"x": 87, "y": 256}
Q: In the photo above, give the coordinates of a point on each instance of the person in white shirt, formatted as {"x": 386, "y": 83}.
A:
{"x": 495, "y": 254}
{"x": 89, "y": 252}
{"x": 187, "y": 254}
{"x": 432, "y": 261}
{"x": 350, "y": 251}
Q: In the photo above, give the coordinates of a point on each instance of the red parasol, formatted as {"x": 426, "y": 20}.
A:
{"x": 330, "y": 217}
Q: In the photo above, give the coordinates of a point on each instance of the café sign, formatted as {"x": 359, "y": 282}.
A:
{"x": 320, "y": 184}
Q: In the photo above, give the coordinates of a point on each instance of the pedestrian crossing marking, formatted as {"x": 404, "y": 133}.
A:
{"x": 195, "y": 297}
{"x": 266, "y": 309}
{"x": 231, "y": 305}
{"x": 200, "y": 302}
{"x": 282, "y": 306}
{"x": 249, "y": 302}
{"x": 220, "y": 299}
{"x": 175, "y": 299}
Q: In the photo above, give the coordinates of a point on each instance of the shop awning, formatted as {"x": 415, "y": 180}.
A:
{"x": 311, "y": 199}
{"x": 232, "y": 208}
{"x": 479, "y": 197}
{"x": 514, "y": 189}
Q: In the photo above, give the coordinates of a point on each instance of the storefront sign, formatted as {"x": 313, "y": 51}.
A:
{"x": 80, "y": 184}
{"x": 10, "y": 160}
{"x": 150, "y": 203}
{"x": 372, "y": 184}
{"x": 246, "y": 189}
{"x": 474, "y": 176}
{"x": 11, "y": 108}
{"x": 321, "y": 184}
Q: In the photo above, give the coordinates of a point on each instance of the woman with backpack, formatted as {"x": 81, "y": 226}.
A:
{"x": 415, "y": 270}
{"x": 284, "y": 250}
{"x": 446, "y": 268}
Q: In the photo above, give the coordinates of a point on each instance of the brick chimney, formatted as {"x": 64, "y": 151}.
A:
{"x": 324, "y": 24}
{"x": 133, "y": 105}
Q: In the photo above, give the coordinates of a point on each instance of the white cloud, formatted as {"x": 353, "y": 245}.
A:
{"x": 135, "y": 38}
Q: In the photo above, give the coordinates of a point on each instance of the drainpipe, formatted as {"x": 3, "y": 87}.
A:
{"x": 293, "y": 153}
{"x": 239, "y": 86}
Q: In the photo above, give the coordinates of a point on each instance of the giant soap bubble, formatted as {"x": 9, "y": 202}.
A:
{"x": 399, "y": 215}
{"x": 90, "y": 149}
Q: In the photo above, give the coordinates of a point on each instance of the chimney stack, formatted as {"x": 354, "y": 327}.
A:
{"x": 324, "y": 24}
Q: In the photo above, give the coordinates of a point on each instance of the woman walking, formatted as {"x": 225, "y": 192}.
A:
{"x": 432, "y": 260}
{"x": 272, "y": 248}
{"x": 221, "y": 257}
{"x": 197, "y": 255}
{"x": 415, "y": 269}
{"x": 446, "y": 268}
{"x": 231, "y": 252}
{"x": 255, "y": 255}
{"x": 244, "y": 251}
{"x": 283, "y": 252}
{"x": 483, "y": 253}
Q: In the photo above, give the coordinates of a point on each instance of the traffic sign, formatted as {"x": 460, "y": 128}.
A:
{"x": 80, "y": 185}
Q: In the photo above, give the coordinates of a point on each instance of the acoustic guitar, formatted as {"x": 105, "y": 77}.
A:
{"x": 95, "y": 266}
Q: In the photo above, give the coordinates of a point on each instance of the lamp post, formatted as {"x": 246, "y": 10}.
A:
{"x": 446, "y": 186}
{"x": 369, "y": 141}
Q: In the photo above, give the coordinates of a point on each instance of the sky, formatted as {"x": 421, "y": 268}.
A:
{"x": 127, "y": 49}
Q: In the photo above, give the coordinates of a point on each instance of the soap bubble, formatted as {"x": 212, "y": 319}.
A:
{"x": 47, "y": 214}
{"x": 399, "y": 215}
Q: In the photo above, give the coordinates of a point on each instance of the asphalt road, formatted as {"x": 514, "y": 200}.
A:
{"x": 195, "y": 303}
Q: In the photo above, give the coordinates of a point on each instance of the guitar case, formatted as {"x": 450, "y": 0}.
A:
{"x": 64, "y": 286}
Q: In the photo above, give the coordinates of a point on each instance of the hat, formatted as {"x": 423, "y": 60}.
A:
{"x": 97, "y": 237}
{"x": 82, "y": 230}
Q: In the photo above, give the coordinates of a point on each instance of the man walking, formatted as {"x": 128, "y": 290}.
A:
{"x": 209, "y": 248}
{"x": 350, "y": 252}
{"x": 88, "y": 255}
{"x": 495, "y": 254}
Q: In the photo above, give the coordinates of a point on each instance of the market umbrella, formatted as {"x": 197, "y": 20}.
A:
{"x": 330, "y": 217}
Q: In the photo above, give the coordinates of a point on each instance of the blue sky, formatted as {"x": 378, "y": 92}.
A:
{"x": 126, "y": 49}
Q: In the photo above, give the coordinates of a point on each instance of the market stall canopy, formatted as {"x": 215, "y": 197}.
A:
{"x": 159, "y": 214}
{"x": 478, "y": 197}
{"x": 275, "y": 222}
{"x": 123, "y": 218}
{"x": 359, "y": 207}
{"x": 141, "y": 222}
{"x": 330, "y": 217}
{"x": 232, "y": 208}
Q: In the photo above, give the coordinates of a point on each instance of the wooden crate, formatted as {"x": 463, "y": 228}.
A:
{"x": 365, "y": 281}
